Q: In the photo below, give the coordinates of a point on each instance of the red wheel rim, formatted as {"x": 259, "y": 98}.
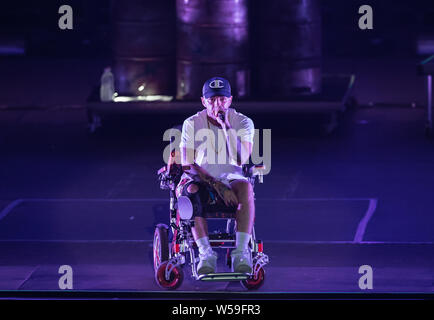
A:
{"x": 175, "y": 276}
{"x": 255, "y": 281}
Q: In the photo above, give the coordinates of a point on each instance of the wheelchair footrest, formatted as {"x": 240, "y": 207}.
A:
{"x": 224, "y": 276}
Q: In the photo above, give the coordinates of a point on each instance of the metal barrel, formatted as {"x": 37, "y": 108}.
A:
{"x": 144, "y": 47}
{"x": 287, "y": 48}
{"x": 212, "y": 40}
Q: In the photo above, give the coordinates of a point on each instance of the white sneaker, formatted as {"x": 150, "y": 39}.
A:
{"x": 207, "y": 263}
{"x": 241, "y": 261}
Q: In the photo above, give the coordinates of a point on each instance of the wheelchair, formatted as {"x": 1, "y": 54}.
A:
{"x": 170, "y": 255}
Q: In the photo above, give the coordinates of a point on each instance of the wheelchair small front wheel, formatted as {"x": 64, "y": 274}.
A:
{"x": 176, "y": 277}
{"x": 160, "y": 245}
{"x": 254, "y": 283}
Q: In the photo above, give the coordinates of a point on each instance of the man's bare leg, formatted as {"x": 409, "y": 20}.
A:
{"x": 200, "y": 228}
{"x": 208, "y": 258}
{"x": 245, "y": 215}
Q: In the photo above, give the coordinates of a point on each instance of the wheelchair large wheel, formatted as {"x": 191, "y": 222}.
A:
{"x": 160, "y": 245}
{"x": 254, "y": 283}
{"x": 175, "y": 280}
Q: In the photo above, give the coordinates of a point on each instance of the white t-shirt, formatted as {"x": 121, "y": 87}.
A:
{"x": 211, "y": 154}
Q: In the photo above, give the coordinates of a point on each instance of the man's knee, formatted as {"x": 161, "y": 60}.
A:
{"x": 192, "y": 188}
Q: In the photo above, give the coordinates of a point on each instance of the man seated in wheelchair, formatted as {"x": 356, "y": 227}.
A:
{"x": 229, "y": 144}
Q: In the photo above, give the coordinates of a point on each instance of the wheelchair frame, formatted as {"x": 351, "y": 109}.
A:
{"x": 169, "y": 273}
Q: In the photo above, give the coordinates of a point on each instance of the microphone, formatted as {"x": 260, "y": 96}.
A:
{"x": 221, "y": 116}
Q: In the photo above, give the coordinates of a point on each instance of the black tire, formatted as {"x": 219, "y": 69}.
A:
{"x": 228, "y": 258}
{"x": 160, "y": 245}
{"x": 175, "y": 280}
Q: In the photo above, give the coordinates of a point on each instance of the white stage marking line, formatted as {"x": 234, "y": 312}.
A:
{"x": 314, "y": 199}
{"x": 17, "y": 202}
{"x": 10, "y": 207}
{"x": 91, "y": 200}
{"x": 361, "y": 228}
{"x": 28, "y": 277}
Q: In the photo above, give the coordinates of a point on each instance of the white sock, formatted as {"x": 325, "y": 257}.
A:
{"x": 242, "y": 241}
{"x": 203, "y": 245}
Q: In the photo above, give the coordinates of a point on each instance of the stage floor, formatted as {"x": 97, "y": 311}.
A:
{"x": 362, "y": 196}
